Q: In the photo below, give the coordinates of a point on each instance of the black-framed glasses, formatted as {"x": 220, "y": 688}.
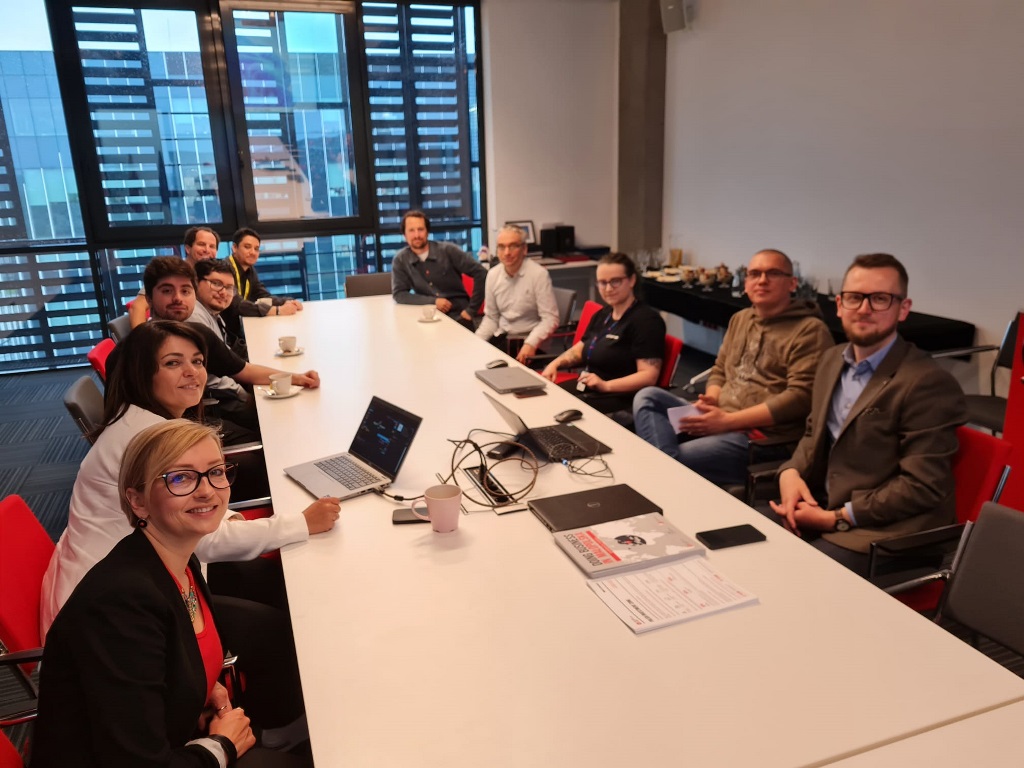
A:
{"x": 219, "y": 286}
{"x": 879, "y": 301}
{"x": 771, "y": 274}
{"x": 614, "y": 283}
{"x": 182, "y": 482}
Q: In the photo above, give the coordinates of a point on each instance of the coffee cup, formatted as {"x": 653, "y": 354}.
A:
{"x": 287, "y": 344}
{"x": 281, "y": 383}
{"x": 444, "y": 503}
{"x": 428, "y": 312}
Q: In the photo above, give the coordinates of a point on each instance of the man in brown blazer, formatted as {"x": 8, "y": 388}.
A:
{"x": 875, "y": 459}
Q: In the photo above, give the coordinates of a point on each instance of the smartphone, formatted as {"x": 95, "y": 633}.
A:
{"x": 529, "y": 393}
{"x": 734, "y": 536}
{"x": 401, "y": 515}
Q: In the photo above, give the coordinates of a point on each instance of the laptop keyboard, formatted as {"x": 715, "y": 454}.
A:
{"x": 557, "y": 445}
{"x": 347, "y": 472}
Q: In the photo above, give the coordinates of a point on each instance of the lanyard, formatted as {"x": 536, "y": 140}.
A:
{"x": 242, "y": 288}
{"x": 609, "y": 326}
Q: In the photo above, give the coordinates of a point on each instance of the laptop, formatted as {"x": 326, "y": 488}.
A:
{"x": 372, "y": 461}
{"x": 591, "y": 507}
{"x": 555, "y": 443}
{"x": 510, "y": 379}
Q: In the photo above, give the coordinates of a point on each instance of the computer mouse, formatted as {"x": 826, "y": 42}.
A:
{"x": 566, "y": 416}
{"x": 498, "y": 364}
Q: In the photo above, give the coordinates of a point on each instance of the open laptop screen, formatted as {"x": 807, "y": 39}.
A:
{"x": 384, "y": 436}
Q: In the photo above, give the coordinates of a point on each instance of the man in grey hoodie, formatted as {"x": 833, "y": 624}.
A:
{"x": 760, "y": 384}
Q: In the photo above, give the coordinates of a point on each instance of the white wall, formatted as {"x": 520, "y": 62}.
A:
{"x": 829, "y": 128}
{"x": 551, "y": 96}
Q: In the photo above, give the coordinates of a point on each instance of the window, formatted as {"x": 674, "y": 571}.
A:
{"x": 317, "y": 124}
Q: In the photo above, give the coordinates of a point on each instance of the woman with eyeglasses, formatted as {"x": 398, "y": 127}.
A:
{"x": 624, "y": 344}
{"x": 160, "y": 375}
{"x": 133, "y": 659}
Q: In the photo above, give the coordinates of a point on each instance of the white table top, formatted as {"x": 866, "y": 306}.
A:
{"x": 486, "y": 647}
{"x": 993, "y": 739}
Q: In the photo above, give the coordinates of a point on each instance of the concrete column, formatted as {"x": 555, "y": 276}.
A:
{"x": 641, "y": 124}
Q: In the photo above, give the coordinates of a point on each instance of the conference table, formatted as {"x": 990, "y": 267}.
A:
{"x": 485, "y": 647}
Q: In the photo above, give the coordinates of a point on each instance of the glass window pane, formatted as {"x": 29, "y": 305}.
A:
{"x": 298, "y": 120}
{"x": 38, "y": 190}
{"x": 149, "y": 116}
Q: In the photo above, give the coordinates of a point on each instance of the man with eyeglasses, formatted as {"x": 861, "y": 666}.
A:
{"x": 875, "y": 459}
{"x": 518, "y": 298}
{"x": 761, "y": 381}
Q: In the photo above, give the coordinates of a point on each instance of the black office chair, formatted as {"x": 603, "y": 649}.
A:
{"x": 119, "y": 328}
{"x": 989, "y": 411}
{"x": 374, "y": 284}
{"x": 84, "y": 402}
{"x": 985, "y": 589}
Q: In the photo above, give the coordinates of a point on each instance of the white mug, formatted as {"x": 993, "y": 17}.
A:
{"x": 287, "y": 343}
{"x": 428, "y": 312}
{"x": 444, "y": 502}
{"x": 281, "y": 383}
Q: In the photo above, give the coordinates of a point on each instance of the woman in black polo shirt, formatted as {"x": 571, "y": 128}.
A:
{"x": 623, "y": 346}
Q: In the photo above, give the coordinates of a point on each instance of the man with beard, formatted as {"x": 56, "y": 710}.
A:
{"x": 427, "y": 272}
{"x": 875, "y": 459}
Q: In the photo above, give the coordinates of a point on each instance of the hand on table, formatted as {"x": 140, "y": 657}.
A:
{"x": 322, "y": 514}
{"x": 309, "y": 379}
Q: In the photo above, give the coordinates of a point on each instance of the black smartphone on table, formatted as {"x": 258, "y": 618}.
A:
{"x": 733, "y": 536}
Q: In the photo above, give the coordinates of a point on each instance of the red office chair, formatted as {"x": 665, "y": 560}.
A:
{"x": 98, "y": 355}
{"x": 468, "y": 283}
{"x": 980, "y": 470}
{"x": 25, "y": 551}
{"x": 590, "y": 308}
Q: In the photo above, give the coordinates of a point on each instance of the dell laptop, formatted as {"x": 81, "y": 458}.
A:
{"x": 555, "y": 443}
{"x": 372, "y": 461}
{"x": 591, "y": 507}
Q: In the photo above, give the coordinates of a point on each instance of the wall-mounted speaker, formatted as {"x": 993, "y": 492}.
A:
{"x": 675, "y": 15}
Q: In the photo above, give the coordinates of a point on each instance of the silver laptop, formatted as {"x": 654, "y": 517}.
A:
{"x": 510, "y": 379}
{"x": 372, "y": 461}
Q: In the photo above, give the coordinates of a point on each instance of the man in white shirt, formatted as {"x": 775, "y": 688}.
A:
{"x": 215, "y": 291}
{"x": 518, "y": 298}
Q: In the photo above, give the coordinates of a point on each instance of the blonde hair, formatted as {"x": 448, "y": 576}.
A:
{"x": 152, "y": 452}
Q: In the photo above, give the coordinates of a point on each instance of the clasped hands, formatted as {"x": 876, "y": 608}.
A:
{"x": 797, "y": 506}
{"x": 444, "y": 306}
{"x": 220, "y": 718}
{"x": 711, "y": 421}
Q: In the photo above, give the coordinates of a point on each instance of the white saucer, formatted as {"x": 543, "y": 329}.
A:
{"x": 669, "y": 279}
{"x": 293, "y": 353}
{"x": 268, "y": 393}
{"x": 433, "y": 320}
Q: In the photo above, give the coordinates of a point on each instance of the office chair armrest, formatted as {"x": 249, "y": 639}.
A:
{"x": 936, "y": 542}
{"x": 920, "y": 581}
{"x": 27, "y": 656}
{"x": 963, "y": 351}
{"x": 913, "y": 543}
{"x": 234, "y": 450}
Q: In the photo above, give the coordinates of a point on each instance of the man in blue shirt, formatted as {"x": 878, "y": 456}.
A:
{"x": 427, "y": 272}
{"x": 875, "y": 459}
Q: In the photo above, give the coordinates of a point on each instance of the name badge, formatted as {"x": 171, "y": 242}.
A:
{"x": 612, "y": 336}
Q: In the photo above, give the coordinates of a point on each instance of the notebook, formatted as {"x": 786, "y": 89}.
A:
{"x": 591, "y": 507}
{"x": 555, "y": 443}
{"x": 378, "y": 449}
{"x": 510, "y": 379}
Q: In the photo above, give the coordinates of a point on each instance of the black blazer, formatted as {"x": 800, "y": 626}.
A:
{"x": 122, "y": 682}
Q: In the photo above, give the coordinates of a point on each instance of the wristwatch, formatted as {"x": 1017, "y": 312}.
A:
{"x": 842, "y": 524}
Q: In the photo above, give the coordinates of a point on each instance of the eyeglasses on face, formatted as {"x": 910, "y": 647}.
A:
{"x": 877, "y": 301}
{"x": 771, "y": 274}
{"x": 182, "y": 482}
{"x": 217, "y": 285}
{"x": 614, "y": 283}
{"x": 510, "y": 247}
